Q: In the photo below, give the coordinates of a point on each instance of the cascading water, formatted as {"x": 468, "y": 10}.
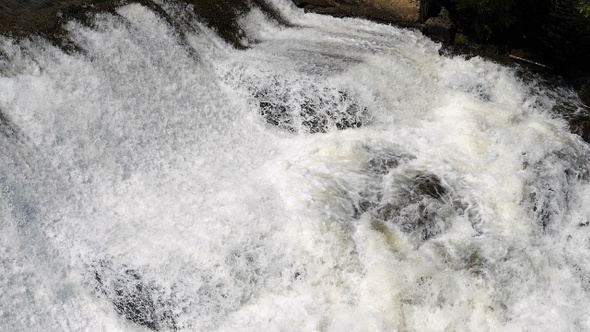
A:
{"x": 334, "y": 175}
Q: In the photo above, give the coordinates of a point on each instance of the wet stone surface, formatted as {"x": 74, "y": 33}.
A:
{"x": 308, "y": 107}
{"x": 397, "y": 197}
{"x": 138, "y": 300}
{"x": 312, "y": 115}
{"x": 418, "y": 207}
{"x": 21, "y": 19}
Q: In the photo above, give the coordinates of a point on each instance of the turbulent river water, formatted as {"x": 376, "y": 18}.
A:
{"x": 333, "y": 175}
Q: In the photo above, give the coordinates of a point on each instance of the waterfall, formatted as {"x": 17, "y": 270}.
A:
{"x": 307, "y": 173}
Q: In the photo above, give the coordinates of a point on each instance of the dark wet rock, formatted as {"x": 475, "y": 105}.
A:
{"x": 383, "y": 163}
{"x": 413, "y": 218}
{"x": 580, "y": 124}
{"x": 318, "y": 110}
{"x": 428, "y": 184}
{"x": 223, "y": 16}
{"x": 419, "y": 204}
{"x": 549, "y": 189}
{"x": 275, "y": 114}
{"x": 584, "y": 92}
{"x": 580, "y": 80}
{"x": 440, "y": 28}
{"x": 311, "y": 116}
{"x": 137, "y": 299}
{"x": 477, "y": 264}
{"x": 6, "y": 126}
{"x": 416, "y": 208}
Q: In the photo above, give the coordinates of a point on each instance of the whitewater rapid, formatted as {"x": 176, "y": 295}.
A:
{"x": 334, "y": 175}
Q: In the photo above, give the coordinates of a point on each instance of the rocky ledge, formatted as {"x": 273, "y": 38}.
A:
{"x": 402, "y": 12}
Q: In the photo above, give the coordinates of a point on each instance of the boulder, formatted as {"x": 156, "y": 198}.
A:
{"x": 580, "y": 125}
{"x": 440, "y": 28}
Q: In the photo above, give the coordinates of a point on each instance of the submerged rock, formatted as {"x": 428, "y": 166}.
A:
{"x": 418, "y": 207}
{"x": 138, "y": 300}
{"x": 308, "y": 106}
{"x": 580, "y": 124}
{"x": 398, "y": 198}
{"x": 314, "y": 115}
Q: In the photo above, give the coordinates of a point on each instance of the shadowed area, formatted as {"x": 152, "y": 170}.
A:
{"x": 22, "y": 17}
{"x": 141, "y": 301}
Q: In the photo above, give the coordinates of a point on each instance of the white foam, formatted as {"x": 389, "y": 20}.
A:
{"x": 174, "y": 191}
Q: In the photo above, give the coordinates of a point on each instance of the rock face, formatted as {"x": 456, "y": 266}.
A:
{"x": 440, "y": 28}
{"x": 401, "y": 12}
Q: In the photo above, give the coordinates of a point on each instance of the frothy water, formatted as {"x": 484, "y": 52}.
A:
{"x": 336, "y": 175}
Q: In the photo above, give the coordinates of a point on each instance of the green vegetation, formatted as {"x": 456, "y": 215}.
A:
{"x": 584, "y": 7}
{"x": 490, "y": 17}
{"x": 461, "y": 40}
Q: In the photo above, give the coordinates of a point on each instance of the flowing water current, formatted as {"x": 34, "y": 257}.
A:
{"x": 331, "y": 175}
